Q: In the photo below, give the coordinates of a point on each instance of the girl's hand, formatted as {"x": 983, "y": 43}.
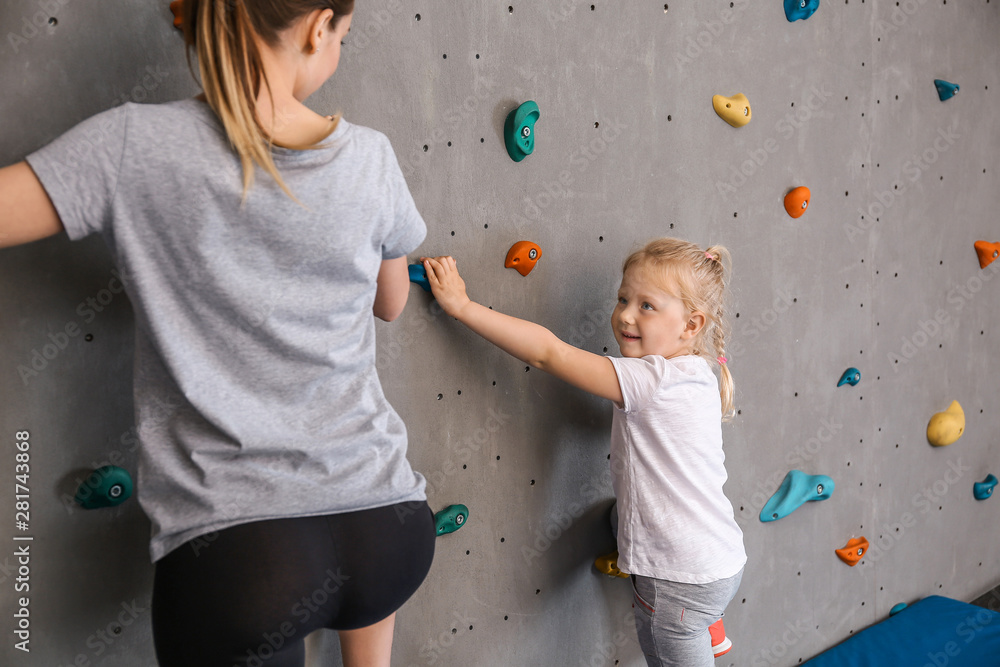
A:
{"x": 447, "y": 286}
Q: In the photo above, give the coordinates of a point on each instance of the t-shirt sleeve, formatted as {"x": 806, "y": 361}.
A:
{"x": 407, "y": 229}
{"x": 79, "y": 171}
{"x": 639, "y": 379}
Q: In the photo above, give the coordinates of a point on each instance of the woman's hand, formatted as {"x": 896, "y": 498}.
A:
{"x": 447, "y": 286}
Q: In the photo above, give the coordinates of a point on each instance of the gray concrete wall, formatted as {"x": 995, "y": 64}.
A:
{"x": 879, "y": 274}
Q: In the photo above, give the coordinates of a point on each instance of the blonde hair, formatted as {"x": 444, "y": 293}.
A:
{"x": 222, "y": 32}
{"x": 700, "y": 278}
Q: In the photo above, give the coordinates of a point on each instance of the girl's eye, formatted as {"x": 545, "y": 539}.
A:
{"x": 647, "y": 306}
{"x": 621, "y": 300}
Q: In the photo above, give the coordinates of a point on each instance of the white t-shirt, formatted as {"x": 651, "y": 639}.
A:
{"x": 674, "y": 521}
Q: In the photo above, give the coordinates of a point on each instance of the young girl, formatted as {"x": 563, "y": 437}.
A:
{"x": 677, "y": 535}
{"x": 271, "y": 466}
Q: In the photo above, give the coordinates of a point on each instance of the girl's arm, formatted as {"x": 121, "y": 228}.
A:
{"x": 533, "y": 344}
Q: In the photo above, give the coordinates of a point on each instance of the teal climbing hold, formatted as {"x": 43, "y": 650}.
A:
{"x": 519, "y": 131}
{"x": 984, "y": 489}
{"x": 418, "y": 275}
{"x": 450, "y": 519}
{"x": 851, "y": 376}
{"x": 796, "y": 10}
{"x": 796, "y": 489}
{"x": 897, "y": 608}
{"x": 106, "y": 486}
{"x": 946, "y": 90}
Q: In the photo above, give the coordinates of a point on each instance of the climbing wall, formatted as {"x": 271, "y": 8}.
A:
{"x": 879, "y": 274}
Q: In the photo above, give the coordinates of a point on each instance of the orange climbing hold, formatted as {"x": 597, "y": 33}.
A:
{"x": 854, "y": 550}
{"x": 522, "y": 256}
{"x": 987, "y": 253}
{"x": 797, "y": 201}
{"x": 177, "y": 7}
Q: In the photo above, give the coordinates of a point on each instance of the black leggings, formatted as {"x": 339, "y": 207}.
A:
{"x": 247, "y": 596}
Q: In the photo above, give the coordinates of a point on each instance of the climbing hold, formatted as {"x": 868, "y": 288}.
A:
{"x": 896, "y": 608}
{"x": 984, "y": 489}
{"x": 106, "y": 486}
{"x": 734, "y": 110}
{"x": 177, "y": 7}
{"x": 608, "y": 564}
{"x": 851, "y": 376}
{"x": 797, "y": 201}
{"x": 796, "y": 489}
{"x": 418, "y": 275}
{"x": 945, "y": 90}
{"x": 853, "y": 550}
{"x": 523, "y": 256}
{"x": 450, "y": 519}
{"x": 946, "y": 427}
{"x": 800, "y": 9}
{"x": 987, "y": 253}
{"x": 519, "y": 131}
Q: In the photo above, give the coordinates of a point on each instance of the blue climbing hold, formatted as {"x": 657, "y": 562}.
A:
{"x": 851, "y": 376}
{"x": 946, "y": 90}
{"x": 897, "y": 608}
{"x": 796, "y": 489}
{"x": 106, "y": 486}
{"x": 796, "y": 10}
{"x": 984, "y": 489}
{"x": 519, "y": 131}
{"x": 418, "y": 275}
{"x": 450, "y": 519}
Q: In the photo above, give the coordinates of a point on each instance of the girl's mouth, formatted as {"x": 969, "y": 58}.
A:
{"x": 628, "y": 336}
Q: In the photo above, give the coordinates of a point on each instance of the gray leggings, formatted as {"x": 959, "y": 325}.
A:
{"x": 672, "y": 619}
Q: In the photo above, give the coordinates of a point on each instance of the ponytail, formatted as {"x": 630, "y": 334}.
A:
{"x": 222, "y": 32}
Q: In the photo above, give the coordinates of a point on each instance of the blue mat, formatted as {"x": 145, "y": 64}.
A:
{"x": 934, "y": 632}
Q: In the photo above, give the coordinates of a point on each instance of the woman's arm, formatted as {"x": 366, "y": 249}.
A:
{"x": 393, "y": 289}
{"x": 26, "y": 212}
{"x": 533, "y": 344}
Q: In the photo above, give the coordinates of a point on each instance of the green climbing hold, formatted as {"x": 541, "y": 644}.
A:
{"x": 519, "y": 131}
{"x": 106, "y": 486}
{"x": 450, "y": 519}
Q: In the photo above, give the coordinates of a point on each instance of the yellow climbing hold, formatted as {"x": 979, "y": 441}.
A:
{"x": 734, "y": 110}
{"x": 946, "y": 427}
{"x": 608, "y": 564}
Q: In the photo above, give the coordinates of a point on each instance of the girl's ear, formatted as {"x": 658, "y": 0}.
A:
{"x": 696, "y": 322}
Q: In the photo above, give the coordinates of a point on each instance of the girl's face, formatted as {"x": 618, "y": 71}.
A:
{"x": 649, "y": 320}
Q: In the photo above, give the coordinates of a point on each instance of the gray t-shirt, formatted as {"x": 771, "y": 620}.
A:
{"x": 256, "y": 395}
